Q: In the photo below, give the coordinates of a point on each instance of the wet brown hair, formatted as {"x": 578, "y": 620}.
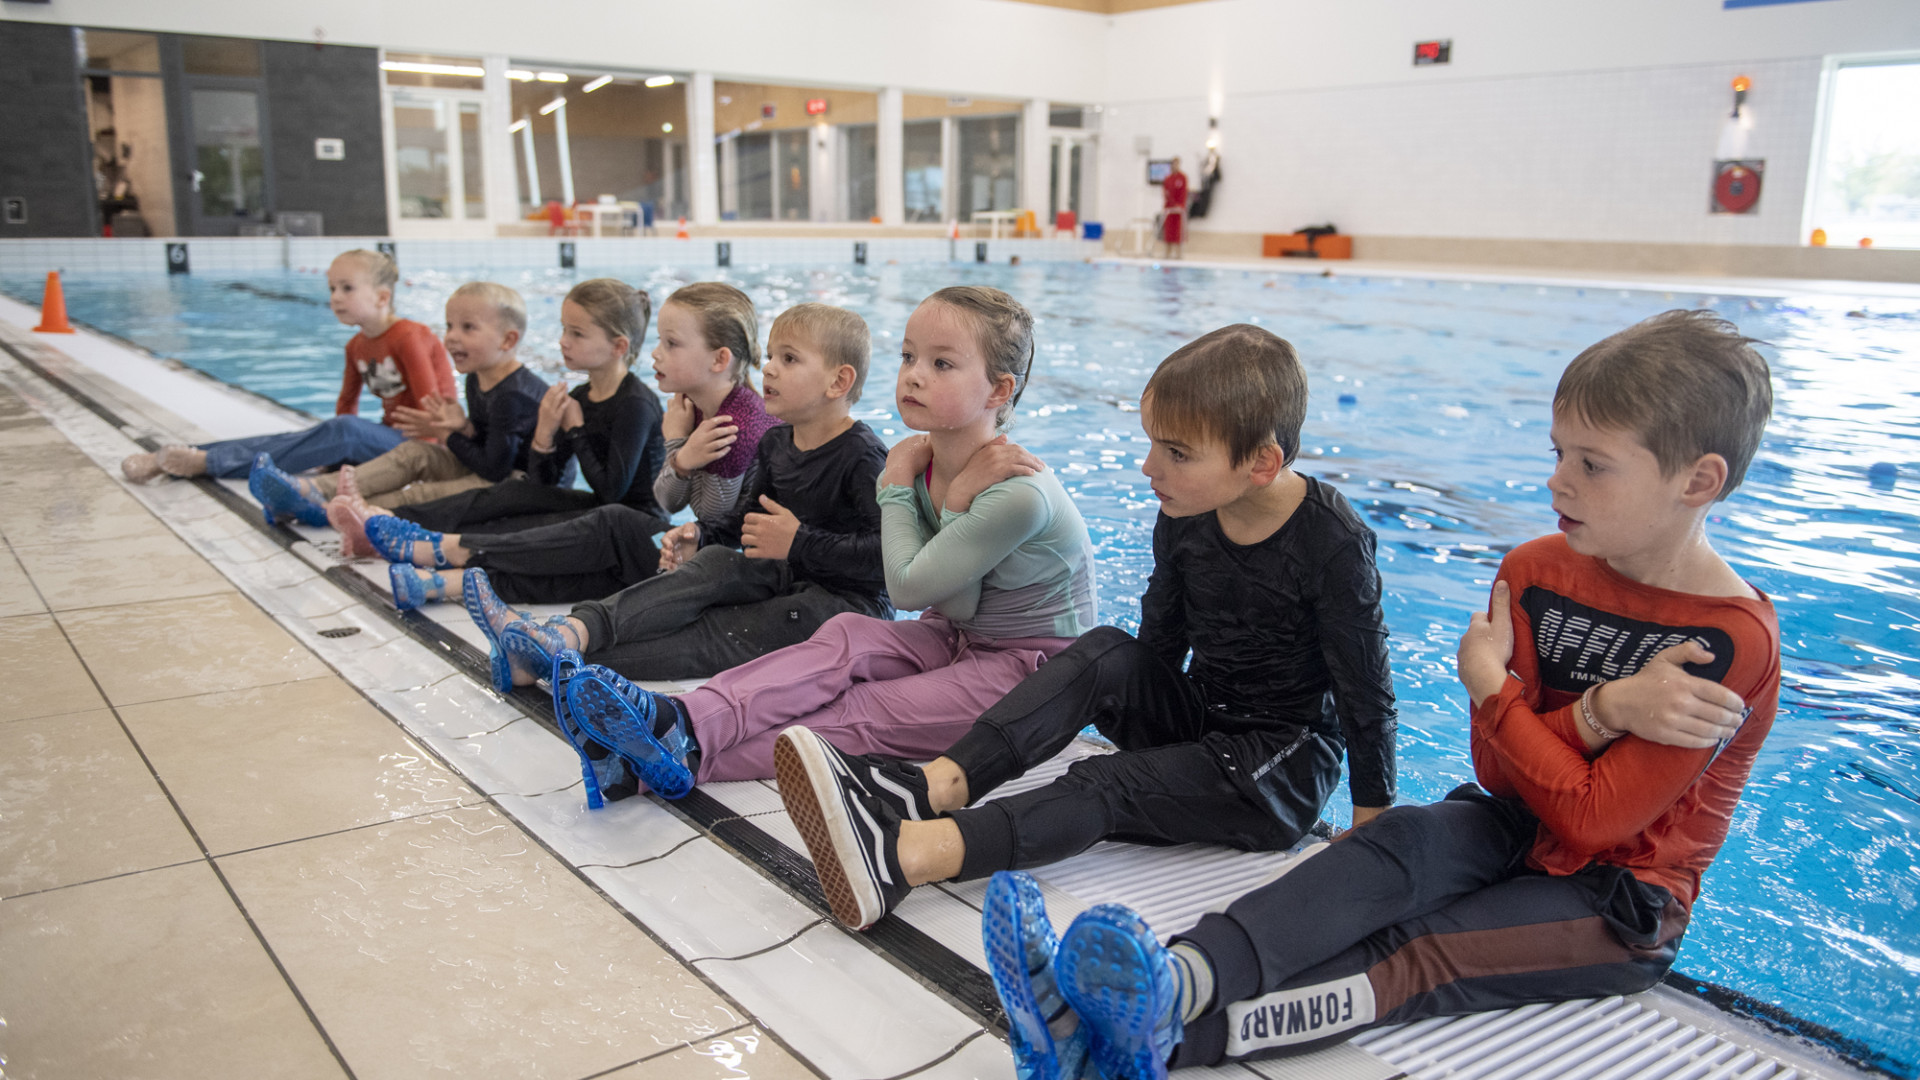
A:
{"x": 1003, "y": 328}
{"x": 617, "y": 308}
{"x": 727, "y": 322}
{"x": 1239, "y": 385}
{"x": 1685, "y": 383}
{"x": 840, "y": 335}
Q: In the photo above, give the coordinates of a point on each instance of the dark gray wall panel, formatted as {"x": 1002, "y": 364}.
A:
{"x": 331, "y": 92}
{"x": 45, "y": 155}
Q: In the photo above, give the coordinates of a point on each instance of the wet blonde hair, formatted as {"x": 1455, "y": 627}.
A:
{"x": 1003, "y": 328}
{"x": 509, "y": 310}
{"x": 378, "y": 265}
{"x": 617, "y": 308}
{"x": 840, "y": 335}
{"x": 726, "y": 320}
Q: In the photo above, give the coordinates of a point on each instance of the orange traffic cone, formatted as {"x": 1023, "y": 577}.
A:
{"x": 682, "y": 234}
{"x": 53, "y": 308}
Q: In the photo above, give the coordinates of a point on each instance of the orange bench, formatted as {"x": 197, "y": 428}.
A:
{"x": 1275, "y": 245}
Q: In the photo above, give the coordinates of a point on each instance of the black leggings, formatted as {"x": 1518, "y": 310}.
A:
{"x": 1425, "y": 911}
{"x": 584, "y": 557}
{"x": 1178, "y": 778}
{"x": 508, "y": 506}
{"x": 718, "y": 610}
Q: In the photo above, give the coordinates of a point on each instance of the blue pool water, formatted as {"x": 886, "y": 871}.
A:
{"x": 1443, "y": 446}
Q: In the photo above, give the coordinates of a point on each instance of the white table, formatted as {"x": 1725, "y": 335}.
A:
{"x": 601, "y": 214}
{"x": 994, "y": 218}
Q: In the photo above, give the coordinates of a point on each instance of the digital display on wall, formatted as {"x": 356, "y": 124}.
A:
{"x": 1157, "y": 170}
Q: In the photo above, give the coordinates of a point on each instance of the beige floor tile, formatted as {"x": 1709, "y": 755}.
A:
{"x": 180, "y": 648}
{"x": 40, "y": 471}
{"x": 99, "y": 573}
{"x": 453, "y": 945}
{"x": 33, "y": 435}
{"x": 736, "y": 1055}
{"x": 259, "y": 766}
{"x": 92, "y": 507}
{"x": 42, "y": 675}
{"x": 151, "y": 975}
{"x": 77, "y": 803}
{"x": 17, "y": 594}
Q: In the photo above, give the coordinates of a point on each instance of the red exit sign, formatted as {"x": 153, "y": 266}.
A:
{"x": 816, "y": 106}
{"x": 1432, "y": 52}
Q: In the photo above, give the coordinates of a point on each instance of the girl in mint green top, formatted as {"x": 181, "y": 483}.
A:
{"x": 974, "y": 529}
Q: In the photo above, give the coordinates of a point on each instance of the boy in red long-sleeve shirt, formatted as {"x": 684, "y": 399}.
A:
{"x": 400, "y": 360}
{"x": 1622, "y": 684}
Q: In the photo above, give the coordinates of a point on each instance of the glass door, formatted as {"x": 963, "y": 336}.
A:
{"x": 435, "y": 159}
{"x": 229, "y": 165}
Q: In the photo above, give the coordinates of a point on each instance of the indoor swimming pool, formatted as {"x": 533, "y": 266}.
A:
{"x": 1430, "y": 411}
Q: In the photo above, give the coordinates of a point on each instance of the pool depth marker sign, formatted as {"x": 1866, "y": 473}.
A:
{"x": 177, "y": 259}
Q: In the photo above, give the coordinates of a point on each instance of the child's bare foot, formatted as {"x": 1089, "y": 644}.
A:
{"x": 140, "y": 468}
{"x": 182, "y": 461}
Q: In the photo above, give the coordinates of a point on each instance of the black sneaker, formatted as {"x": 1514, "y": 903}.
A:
{"x": 852, "y": 834}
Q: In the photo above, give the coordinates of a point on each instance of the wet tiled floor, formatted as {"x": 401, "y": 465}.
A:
{"x": 219, "y": 858}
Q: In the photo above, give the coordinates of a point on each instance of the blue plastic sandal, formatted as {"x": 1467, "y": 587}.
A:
{"x": 484, "y": 606}
{"x": 410, "y": 591}
{"x": 1020, "y": 946}
{"x": 281, "y": 496}
{"x": 619, "y": 716}
{"x": 1120, "y": 979}
{"x": 598, "y": 773}
{"x": 393, "y": 537}
{"x": 531, "y": 646}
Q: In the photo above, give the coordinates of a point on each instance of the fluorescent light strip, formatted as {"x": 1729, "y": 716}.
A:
{"x": 596, "y": 84}
{"x": 516, "y": 125}
{"x": 551, "y": 76}
{"x": 556, "y": 103}
{"x": 660, "y": 80}
{"x": 433, "y": 69}
{"x": 518, "y": 75}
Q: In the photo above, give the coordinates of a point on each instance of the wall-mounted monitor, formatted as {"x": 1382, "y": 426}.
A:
{"x": 1157, "y": 170}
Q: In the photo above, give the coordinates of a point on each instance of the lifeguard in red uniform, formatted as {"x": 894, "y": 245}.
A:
{"x": 1174, "y": 218}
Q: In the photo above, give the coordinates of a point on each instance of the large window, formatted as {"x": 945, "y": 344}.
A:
{"x": 989, "y": 177}
{"x": 860, "y": 151}
{"x": 925, "y": 181}
{"x": 1866, "y": 174}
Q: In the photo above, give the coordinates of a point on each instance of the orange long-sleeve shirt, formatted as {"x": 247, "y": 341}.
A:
{"x": 401, "y": 366}
{"x": 1660, "y": 811}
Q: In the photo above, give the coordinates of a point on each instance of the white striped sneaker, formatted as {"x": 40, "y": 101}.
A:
{"x": 852, "y": 834}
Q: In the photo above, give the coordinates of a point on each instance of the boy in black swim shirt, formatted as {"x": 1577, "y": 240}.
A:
{"x": 1266, "y": 576}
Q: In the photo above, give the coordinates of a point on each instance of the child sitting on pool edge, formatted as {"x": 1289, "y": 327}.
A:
{"x": 973, "y": 529}
{"x": 808, "y": 522}
{"x": 447, "y": 450}
{"x": 1265, "y": 575}
{"x": 1621, "y": 686}
{"x": 398, "y": 359}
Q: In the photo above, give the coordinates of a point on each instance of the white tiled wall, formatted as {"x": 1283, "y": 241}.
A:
{"x": 226, "y": 256}
{"x": 1623, "y": 155}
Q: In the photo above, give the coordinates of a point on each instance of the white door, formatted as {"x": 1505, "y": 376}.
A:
{"x": 436, "y": 176}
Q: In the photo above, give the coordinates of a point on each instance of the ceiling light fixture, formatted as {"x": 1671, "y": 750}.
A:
{"x": 551, "y": 76}
{"x": 516, "y": 125}
{"x": 667, "y": 126}
{"x": 518, "y": 75}
{"x": 433, "y": 69}
{"x": 596, "y": 84}
{"x": 658, "y": 81}
{"x": 556, "y": 103}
